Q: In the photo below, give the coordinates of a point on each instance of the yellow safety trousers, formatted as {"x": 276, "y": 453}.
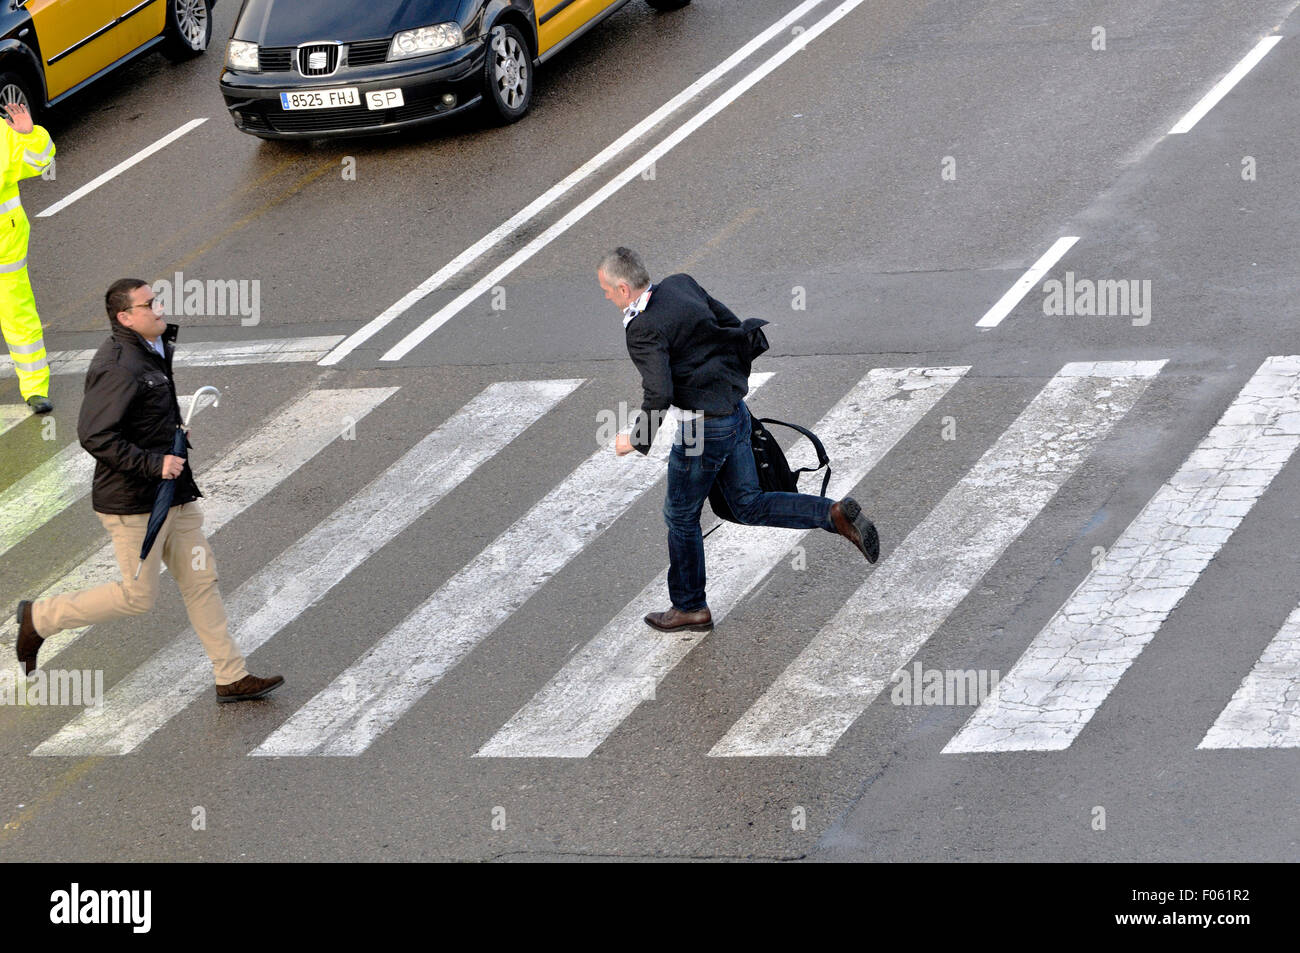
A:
{"x": 24, "y": 156}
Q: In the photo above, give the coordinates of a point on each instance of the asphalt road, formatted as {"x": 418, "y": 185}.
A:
{"x": 874, "y": 197}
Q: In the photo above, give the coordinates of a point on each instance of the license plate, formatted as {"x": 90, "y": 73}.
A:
{"x": 321, "y": 98}
{"x": 384, "y": 98}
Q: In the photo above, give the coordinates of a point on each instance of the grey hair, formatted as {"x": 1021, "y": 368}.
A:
{"x": 625, "y": 265}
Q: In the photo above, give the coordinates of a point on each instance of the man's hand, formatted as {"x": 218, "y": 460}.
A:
{"x": 20, "y": 117}
{"x": 623, "y": 445}
{"x": 172, "y": 466}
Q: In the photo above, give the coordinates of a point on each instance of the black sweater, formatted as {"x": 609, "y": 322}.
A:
{"x": 692, "y": 352}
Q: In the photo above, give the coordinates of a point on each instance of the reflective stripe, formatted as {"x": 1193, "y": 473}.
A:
{"x": 27, "y": 348}
{"x": 13, "y": 203}
{"x": 34, "y": 162}
{"x": 34, "y": 366}
{"x": 41, "y": 155}
{"x": 16, "y": 266}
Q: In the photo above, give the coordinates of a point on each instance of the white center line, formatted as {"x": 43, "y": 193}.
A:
{"x": 551, "y": 195}
{"x": 1007, "y": 303}
{"x": 1224, "y": 85}
{"x": 121, "y": 167}
{"x": 494, "y": 278}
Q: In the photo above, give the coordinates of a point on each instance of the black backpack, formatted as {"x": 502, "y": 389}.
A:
{"x": 774, "y": 473}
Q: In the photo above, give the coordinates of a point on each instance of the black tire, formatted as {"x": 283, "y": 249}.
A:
{"x": 189, "y": 29}
{"x": 662, "y": 5}
{"x": 17, "y": 88}
{"x": 507, "y": 75}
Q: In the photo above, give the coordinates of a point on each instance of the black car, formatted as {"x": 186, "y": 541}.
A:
{"x": 305, "y": 70}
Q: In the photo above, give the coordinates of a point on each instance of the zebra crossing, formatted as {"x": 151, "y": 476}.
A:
{"x": 1043, "y": 703}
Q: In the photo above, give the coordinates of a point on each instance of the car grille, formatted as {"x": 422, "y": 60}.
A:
{"x": 366, "y": 52}
{"x": 275, "y": 59}
{"x": 313, "y": 50}
{"x": 279, "y": 59}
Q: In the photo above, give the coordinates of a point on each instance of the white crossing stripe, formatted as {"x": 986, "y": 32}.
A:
{"x": 211, "y": 354}
{"x": 302, "y": 575}
{"x": 1265, "y": 711}
{"x": 887, "y": 621}
{"x": 1054, "y": 688}
{"x": 49, "y": 489}
{"x": 238, "y": 480}
{"x": 363, "y": 702}
{"x": 613, "y": 673}
{"x": 11, "y": 415}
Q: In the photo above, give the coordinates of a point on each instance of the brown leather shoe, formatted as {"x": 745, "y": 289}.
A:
{"x": 29, "y": 643}
{"x": 846, "y": 515}
{"x": 248, "y": 687}
{"x": 673, "y": 621}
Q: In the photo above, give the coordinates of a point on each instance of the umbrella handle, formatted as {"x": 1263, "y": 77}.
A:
{"x": 194, "y": 402}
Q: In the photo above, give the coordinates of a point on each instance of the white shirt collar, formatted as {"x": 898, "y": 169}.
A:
{"x": 637, "y": 306}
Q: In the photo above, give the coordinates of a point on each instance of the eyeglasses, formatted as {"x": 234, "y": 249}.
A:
{"x": 153, "y": 303}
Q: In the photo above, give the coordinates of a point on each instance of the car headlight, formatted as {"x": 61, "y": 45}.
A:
{"x": 427, "y": 39}
{"x": 242, "y": 55}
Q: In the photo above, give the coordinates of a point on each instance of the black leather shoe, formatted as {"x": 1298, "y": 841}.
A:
{"x": 29, "y": 643}
{"x": 673, "y": 621}
{"x": 39, "y": 405}
{"x": 849, "y": 522}
{"x": 248, "y": 688}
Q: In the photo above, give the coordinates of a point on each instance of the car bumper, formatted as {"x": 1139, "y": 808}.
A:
{"x": 253, "y": 99}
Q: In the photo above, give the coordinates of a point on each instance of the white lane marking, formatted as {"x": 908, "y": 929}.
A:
{"x": 887, "y": 621}
{"x": 1007, "y": 303}
{"x": 611, "y": 675}
{"x": 346, "y": 716}
{"x": 1054, "y": 688}
{"x": 239, "y": 479}
{"x": 121, "y": 167}
{"x": 49, "y": 489}
{"x": 551, "y": 195}
{"x": 413, "y": 339}
{"x": 211, "y": 354}
{"x": 303, "y": 574}
{"x": 11, "y": 415}
{"x": 1223, "y": 86}
{"x": 1265, "y": 711}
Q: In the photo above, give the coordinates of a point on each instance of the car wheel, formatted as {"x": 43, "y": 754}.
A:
{"x": 507, "y": 74}
{"x": 15, "y": 89}
{"x": 668, "y": 4}
{"x": 189, "y": 28}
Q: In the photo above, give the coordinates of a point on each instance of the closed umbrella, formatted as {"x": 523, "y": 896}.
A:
{"x": 167, "y": 488}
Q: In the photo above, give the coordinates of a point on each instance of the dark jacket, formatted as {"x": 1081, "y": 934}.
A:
{"x": 692, "y": 352}
{"x": 128, "y": 420}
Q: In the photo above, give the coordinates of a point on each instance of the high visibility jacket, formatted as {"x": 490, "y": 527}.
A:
{"x": 21, "y": 156}
{"x": 24, "y": 156}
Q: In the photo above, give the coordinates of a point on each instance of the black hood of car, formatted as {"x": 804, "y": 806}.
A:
{"x": 290, "y": 22}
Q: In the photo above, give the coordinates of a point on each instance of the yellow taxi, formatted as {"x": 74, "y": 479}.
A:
{"x": 50, "y": 49}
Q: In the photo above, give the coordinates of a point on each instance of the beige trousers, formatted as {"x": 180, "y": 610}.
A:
{"x": 183, "y": 547}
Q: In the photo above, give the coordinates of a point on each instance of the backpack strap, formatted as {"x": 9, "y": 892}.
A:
{"x": 822, "y": 459}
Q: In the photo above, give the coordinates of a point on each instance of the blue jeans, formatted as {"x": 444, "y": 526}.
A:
{"x": 718, "y": 448}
